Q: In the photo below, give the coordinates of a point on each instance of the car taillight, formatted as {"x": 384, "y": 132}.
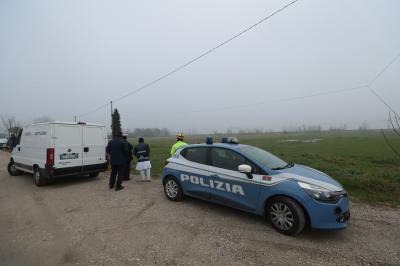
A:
{"x": 50, "y": 156}
{"x": 166, "y": 162}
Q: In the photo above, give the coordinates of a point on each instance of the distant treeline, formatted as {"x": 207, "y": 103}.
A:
{"x": 148, "y": 132}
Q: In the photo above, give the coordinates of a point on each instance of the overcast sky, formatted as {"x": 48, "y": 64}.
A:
{"x": 66, "y": 58}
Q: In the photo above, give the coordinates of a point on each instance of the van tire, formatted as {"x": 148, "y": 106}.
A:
{"x": 39, "y": 179}
{"x": 280, "y": 209}
{"x": 94, "y": 175}
{"x": 12, "y": 170}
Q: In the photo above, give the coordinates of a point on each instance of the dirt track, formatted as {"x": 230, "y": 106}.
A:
{"x": 80, "y": 221}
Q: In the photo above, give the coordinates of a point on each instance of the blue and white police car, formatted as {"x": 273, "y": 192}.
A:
{"x": 253, "y": 180}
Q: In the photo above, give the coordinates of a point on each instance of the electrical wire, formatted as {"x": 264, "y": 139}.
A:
{"x": 194, "y": 59}
{"x": 95, "y": 110}
{"x": 282, "y": 100}
{"x": 390, "y": 145}
{"x": 380, "y": 98}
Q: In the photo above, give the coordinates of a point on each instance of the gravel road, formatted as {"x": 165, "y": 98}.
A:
{"x": 79, "y": 221}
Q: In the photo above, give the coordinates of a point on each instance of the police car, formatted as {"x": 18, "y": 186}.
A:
{"x": 253, "y": 180}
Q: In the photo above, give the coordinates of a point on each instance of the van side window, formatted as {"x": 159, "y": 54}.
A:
{"x": 197, "y": 155}
{"x": 19, "y": 136}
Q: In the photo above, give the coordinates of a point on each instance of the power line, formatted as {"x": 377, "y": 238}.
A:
{"x": 94, "y": 110}
{"x": 376, "y": 77}
{"x": 194, "y": 59}
{"x": 384, "y": 69}
{"x": 283, "y": 100}
{"x": 380, "y": 98}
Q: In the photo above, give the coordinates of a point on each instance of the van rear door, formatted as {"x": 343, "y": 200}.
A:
{"x": 68, "y": 146}
{"x": 94, "y": 145}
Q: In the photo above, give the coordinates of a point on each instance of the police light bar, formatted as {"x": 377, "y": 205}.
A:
{"x": 230, "y": 140}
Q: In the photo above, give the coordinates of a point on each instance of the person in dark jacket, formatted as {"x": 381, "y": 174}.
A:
{"x": 127, "y": 170}
{"x": 142, "y": 153}
{"x": 118, "y": 152}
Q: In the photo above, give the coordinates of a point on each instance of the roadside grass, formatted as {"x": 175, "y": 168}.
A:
{"x": 360, "y": 161}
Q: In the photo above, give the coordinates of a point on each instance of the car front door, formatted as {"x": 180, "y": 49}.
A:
{"x": 229, "y": 186}
{"x": 194, "y": 174}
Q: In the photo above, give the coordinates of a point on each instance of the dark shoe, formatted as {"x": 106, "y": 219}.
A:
{"x": 119, "y": 188}
{"x": 127, "y": 179}
{"x": 111, "y": 186}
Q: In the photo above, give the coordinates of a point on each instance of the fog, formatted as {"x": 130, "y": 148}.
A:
{"x": 66, "y": 58}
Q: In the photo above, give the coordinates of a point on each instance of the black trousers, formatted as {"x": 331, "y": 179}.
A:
{"x": 117, "y": 173}
{"x": 127, "y": 170}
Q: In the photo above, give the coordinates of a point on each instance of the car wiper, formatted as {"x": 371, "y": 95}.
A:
{"x": 288, "y": 165}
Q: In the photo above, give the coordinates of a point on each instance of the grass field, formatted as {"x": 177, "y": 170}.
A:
{"x": 361, "y": 161}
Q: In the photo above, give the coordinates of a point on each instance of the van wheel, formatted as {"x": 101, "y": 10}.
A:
{"x": 173, "y": 189}
{"x": 286, "y": 216}
{"x": 12, "y": 170}
{"x": 39, "y": 179}
{"x": 94, "y": 174}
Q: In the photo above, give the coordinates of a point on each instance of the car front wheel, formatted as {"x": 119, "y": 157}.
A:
{"x": 173, "y": 189}
{"x": 286, "y": 216}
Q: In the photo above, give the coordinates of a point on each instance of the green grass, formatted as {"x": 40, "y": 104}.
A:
{"x": 360, "y": 161}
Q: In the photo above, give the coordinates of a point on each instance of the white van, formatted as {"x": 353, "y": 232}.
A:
{"x": 53, "y": 149}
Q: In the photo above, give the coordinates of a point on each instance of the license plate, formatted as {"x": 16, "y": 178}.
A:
{"x": 68, "y": 156}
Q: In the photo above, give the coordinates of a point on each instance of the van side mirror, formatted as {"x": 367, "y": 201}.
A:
{"x": 246, "y": 169}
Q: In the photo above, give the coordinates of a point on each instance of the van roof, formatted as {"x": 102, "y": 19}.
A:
{"x": 66, "y": 123}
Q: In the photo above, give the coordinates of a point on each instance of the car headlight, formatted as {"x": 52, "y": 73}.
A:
{"x": 322, "y": 194}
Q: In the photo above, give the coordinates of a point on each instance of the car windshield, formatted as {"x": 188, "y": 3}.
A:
{"x": 264, "y": 158}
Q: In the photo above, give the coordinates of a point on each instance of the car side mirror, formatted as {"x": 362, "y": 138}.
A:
{"x": 246, "y": 169}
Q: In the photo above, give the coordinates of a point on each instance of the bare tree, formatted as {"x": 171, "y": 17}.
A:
{"x": 11, "y": 124}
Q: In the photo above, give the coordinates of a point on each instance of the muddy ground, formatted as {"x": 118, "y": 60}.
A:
{"x": 79, "y": 221}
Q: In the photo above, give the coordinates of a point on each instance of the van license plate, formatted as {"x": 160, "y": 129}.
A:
{"x": 67, "y": 156}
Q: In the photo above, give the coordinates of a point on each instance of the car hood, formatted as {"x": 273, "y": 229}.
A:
{"x": 310, "y": 175}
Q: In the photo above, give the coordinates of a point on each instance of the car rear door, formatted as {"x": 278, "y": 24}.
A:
{"x": 194, "y": 175}
{"x": 230, "y": 187}
{"x": 94, "y": 145}
{"x": 68, "y": 146}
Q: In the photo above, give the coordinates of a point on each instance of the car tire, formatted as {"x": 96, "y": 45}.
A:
{"x": 94, "y": 175}
{"x": 173, "y": 189}
{"x": 39, "y": 179}
{"x": 286, "y": 215}
{"x": 12, "y": 170}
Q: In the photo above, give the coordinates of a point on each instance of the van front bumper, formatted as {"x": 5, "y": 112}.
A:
{"x": 79, "y": 170}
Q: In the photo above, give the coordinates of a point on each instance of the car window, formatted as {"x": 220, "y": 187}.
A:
{"x": 227, "y": 159}
{"x": 197, "y": 155}
{"x": 263, "y": 157}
